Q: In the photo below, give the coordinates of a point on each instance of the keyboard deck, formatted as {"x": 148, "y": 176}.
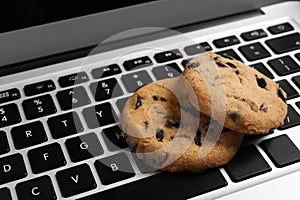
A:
{"x": 60, "y": 139}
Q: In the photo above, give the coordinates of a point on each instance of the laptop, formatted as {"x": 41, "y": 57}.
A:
{"x": 67, "y": 70}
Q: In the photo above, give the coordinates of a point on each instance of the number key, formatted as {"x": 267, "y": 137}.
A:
{"x": 135, "y": 80}
{"x": 106, "y": 89}
{"x": 9, "y": 114}
{"x": 38, "y": 107}
{"x": 166, "y": 71}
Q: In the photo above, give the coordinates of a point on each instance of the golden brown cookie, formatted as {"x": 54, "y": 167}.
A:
{"x": 255, "y": 104}
{"x": 171, "y": 137}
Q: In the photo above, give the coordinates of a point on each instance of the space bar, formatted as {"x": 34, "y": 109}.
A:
{"x": 165, "y": 186}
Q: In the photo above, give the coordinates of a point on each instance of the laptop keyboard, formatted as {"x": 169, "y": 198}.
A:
{"x": 55, "y": 172}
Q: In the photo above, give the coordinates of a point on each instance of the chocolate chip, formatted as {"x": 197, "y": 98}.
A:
{"x": 261, "y": 107}
{"x": 216, "y": 58}
{"x": 279, "y": 93}
{"x": 172, "y": 122}
{"x": 163, "y": 99}
{"x": 193, "y": 65}
{"x": 228, "y": 57}
{"x": 237, "y": 72}
{"x": 197, "y": 138}
{"x": 234, "y": 116}
{"x": 261, "y": 82}
{"x": 220, "y": 64}
{"x": 138, "y": 102}
{"x": 159, "y": 135}
{"x": 155, "y": 98}
{"x": 231, "y": 65}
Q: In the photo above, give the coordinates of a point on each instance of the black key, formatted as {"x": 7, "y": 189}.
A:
{"x": 280, "y": 28}
{"x": 180, "y": 186}
{"x": 39, "y": 88}
{"x": 229, "y": 53}
{"x": 288, "y": 88}
{"x": 72, "y": 98}
{"x": 262, "y": 69}
{"x": 38, "y": 107}
{"x": 4, "y": 146}
{"x": 9, "y": 95}
{"x": 28, "y": 135}
{"x": 5, "y": 194}
{"x": 298, "y": 56}
{"x": 73, "y": 79}
{"x": 121, "y": 103}
{"x": 292, "y": 118}
{"x": 106, "y": 71}
{"x": 137, "y": 63}
{"x": 75, "y": 180}
{"x": 247, "y": 163}
{"x": 65, "y": 125}
{"x": 254, "y": 51}
{"x": 197, "y": 48}
{"x": 36, "y": 189}
{"x": 114, "y": 168}
{"x": 135, "y": 80}
{"x": 166, "y": 71}
{"x": 296, "y": 80}
{"x": 284, "y": 65}
{"x": 285, "y": 43}
{"x": 12, "y": 168}
{"x": 9, "y": 115}
{"x": 46, "y": 158}
{"x": 281, "y": 150}
{"x": 254, "y": 35}
{"x": 114, "y": 139}
{"x": 99, "y": 115}
{"x": 106, "y": 89}
{"x": 226, "y": 41}
{"x": 84, "y": 147}
{"x": 167, "y": 56}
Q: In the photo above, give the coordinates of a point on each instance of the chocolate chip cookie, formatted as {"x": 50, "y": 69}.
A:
{"x": 167, "y": 135}
{"x": 254, "y": 104}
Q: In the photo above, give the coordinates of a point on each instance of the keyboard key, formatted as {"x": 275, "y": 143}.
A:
{"x": 75, "y": 180}
{"x": 9, "y": 115}
{"x": 284, "y": 65}
{"x": 281, "y": 150}
{"x": 263, "y": 69}
{"x": 65, "y": 125}
{"x": 84, "y": 147}
{"x": 288, "y": 88}
{"x": 39, "y": 88}
{"x": 280, "y": 28}
{"x": 73, "y": 79}
{"x": 114, "y": 168}
{"x": 106, "y": 71}
{"x": 179, "y": 186}
{"x": 12, "y": 168}
{"x": 254, "y": 51}
{"x": 135, "y": 80}
{"x": 121, "y": 103}
{"x": 229, "y": 53}
{"x": 99, "y": 115}
{"x": 72, "y": 98}
{"x": 166, "y": 71}
{"x": 285, "y": 43}
{"x": 296, "y": 80}
{"x": 36, "y": 189}
{"x": 114, "y": 139}
{"x": 298, "y": 56}
{"x": 137, "y": 63}
{"x": 28, "y": 135}
{"x": 167, "y": 56}
{"x": 9, "y": 95}
{"x": 106, "y": 89}
{"x": 197, "y": 48}
{"x": 5, "y": 194}
{"x": 4, "y": 146}
{"x": 247, "y": 163}
{"x": 39, "y": 107}
{"x": 292, "y": 118}
{"x": 46, "y": 158}
{"x": 226, "y": 41}
{"x": 254, "y": 35}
